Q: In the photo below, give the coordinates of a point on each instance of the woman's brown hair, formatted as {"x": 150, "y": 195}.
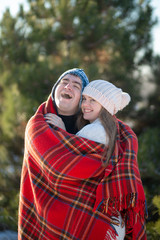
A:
{"x": 109, "y": 123}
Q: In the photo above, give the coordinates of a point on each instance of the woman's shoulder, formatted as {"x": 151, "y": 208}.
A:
{"x": 96, "y": 125}
{"x": 94, "y": 131}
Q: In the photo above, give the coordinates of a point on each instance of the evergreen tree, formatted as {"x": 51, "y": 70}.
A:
{"x": 108, "y": 39}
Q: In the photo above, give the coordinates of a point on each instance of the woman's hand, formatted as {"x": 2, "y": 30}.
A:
{"x": 53, "y": 119}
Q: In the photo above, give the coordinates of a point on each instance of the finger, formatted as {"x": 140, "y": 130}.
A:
{"x": 52, "y": 115}
{"x": 50, "y": 122}
{"x": 51, "y": 118}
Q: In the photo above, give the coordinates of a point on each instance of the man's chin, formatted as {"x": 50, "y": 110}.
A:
{"x": 66, "y": 107}
{"x": 66, "y": 103}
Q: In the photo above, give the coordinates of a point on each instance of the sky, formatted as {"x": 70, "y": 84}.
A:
{"x": 14, "y": 6}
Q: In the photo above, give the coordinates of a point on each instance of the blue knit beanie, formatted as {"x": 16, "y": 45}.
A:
{"x": 74, "y": 71}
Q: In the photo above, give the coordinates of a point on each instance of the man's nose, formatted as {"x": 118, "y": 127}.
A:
{"x": 68, "y": 86}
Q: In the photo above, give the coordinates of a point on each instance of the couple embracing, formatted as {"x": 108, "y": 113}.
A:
{"x": 80, "y": 178}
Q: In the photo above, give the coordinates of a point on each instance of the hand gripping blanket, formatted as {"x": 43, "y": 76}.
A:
{"x": 66, "y": 193}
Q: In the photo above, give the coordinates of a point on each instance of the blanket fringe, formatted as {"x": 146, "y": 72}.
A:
{"x": 129, "y": 207}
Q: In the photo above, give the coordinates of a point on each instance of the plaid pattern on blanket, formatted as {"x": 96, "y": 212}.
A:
{"x": 67, "y": 194}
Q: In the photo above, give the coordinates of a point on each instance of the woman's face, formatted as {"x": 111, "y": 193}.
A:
{"x": 90, "y": 108}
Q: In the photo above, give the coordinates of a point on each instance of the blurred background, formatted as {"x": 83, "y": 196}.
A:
{"x": 115, "y": 40}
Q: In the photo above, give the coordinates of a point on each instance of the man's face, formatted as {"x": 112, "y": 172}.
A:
{"x": 68, "y": 94}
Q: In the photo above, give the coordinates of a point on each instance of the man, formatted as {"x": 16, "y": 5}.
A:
{"x": 66, "y": 96}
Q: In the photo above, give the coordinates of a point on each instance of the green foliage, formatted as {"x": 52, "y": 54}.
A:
{"x": 149, "y": 164}
{"x": 149, "y": 153}
{"x": 153, "y": 228}
{"x": 156, "y": 202}
{"x": 9, "y": 187}
{"x": 8, "y": 210}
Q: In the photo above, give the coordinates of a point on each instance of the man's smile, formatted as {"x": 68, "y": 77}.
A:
{"x": 66, "y": 95}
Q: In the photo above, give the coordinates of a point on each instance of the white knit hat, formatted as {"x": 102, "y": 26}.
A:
{"x": 109, "y": 96}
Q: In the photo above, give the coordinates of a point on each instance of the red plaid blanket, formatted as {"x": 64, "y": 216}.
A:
{"x": 67, "y": 194}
